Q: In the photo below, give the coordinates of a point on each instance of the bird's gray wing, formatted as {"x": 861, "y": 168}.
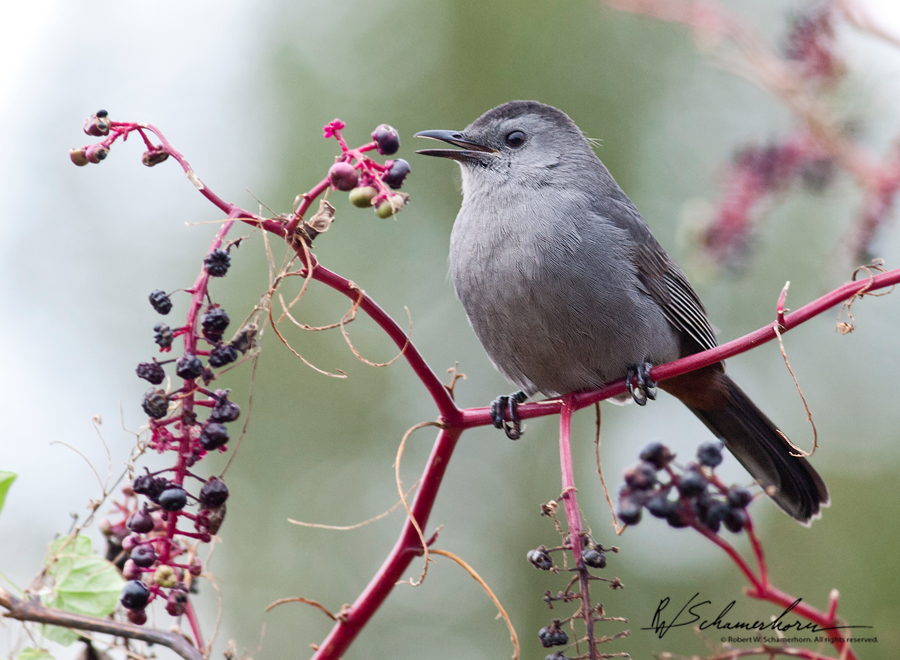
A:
{"x": 661, "y": 277}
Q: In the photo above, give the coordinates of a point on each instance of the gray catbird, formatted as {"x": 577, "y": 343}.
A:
{"x": 567, "y": 289}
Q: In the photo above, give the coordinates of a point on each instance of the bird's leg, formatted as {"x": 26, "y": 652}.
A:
{"x": 513, "y": 427}
{"x": 645, "y": 388}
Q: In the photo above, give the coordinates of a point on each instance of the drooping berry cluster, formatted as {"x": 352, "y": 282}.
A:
{"x": 150, "y": 535}
{"x": 757, "y": 173}
{"x": 812, "y": 43}
{"x": 370, "y": 183}
{"x": 592, "y": 556}
{"x": 100, "y": 125}
{"x": 692, "y": 496}
{"x": 148, "y": 554}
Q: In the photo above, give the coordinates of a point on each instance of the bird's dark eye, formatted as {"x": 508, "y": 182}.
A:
{"x": 515, "y": 139}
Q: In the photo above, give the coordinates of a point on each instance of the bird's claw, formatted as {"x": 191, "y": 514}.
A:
{"x": 513, "y": 427}
{"x": 640, "y": 386}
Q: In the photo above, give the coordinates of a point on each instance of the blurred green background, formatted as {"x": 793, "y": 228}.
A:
{"x": 243, "y": 89}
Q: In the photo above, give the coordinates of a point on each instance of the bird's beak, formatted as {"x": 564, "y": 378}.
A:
{"x": 469, "y": 150}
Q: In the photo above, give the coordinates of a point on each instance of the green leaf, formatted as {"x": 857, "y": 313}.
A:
{"x": 67, "y": 547}
{"x": 83, "y": 583}
{"x": 6, "y": 479}
{"x": 34, "y": 654}
{"x": 62, "y": 636}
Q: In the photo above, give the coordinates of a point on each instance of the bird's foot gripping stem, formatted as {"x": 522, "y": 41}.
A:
{"x": 640, "y": 386}
{"x": 513, "y": 427}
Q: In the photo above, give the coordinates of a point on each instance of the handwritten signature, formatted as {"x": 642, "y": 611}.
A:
{"x": 691, "y": 614}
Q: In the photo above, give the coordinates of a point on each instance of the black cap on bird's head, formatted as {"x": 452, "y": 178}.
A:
{"x": 527, "y": 132}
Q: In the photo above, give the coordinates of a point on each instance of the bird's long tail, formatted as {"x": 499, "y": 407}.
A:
{"x": 757, "y": 443}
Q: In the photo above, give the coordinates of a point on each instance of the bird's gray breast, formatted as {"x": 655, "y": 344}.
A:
{"x": 550, "y": 289}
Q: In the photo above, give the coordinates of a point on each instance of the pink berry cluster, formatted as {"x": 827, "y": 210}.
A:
{"x": 100, "y": 125}
{"x": 811, "y": 43}
{"x": 369, "y": 182}
{"x": 757, "y": 173}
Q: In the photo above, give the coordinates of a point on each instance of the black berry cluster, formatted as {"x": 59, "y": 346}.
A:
{"x": 152, "y": 569}
{"x": 691, "y": 496}
{"x": 97, "y": 125}
{"x": 812, "y": 43}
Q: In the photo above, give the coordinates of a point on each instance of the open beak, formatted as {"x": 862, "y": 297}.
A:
{"x": 469, "y": 151}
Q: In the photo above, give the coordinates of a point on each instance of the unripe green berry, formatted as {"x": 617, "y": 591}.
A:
{"x": 165, "y": 576}
{"x": 362, "y": 196}
{"x": 391, "y": 206}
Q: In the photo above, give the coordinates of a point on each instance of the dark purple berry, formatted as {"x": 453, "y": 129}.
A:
{"x": 691, "y": 483}
{"x": 188, "y": 367}
{"x": 710, "y": 454}
{"x": 657, "y": 454}
{"x": 144, "y": 555}
{"x": 642, "y": 476}
{"x": 160, "y": 301}
{"x": 141, "y": 522}
{"x": 715, "y": 514}
{"x": 155, "y": 404}
{"x": 677, "y": 518}
{"x": 739, "y": 497}
{"x": 214, "y": 322}
{"x": 224, "y": 410}
{"x": 149, "y": 486}
{"x": 213, "y": 436}
{"x": 213, "y": 494}
{"x": 540, "y": 559}
{"x": 661, "y": 506}
{"x": 151, "y": 371}
{"x": 343, "y": 176}
{"x": 173, "y": 498}
{"x": 396, "y": 174}
{"x": 222, "y": 355}
{"x": 137, "y": 618}
{"x": 735, "y": 520}
{"x": 553, "y": 635}
{"x": 176, "y": 602}
{"x": 629, "y": 510}
{"x": 163, "y": 336}
{"x": 217, "y": 263}
{"x": 387, "y": 138}
{"x": 135, "y": 595}
{"x": 594, "y": 558}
